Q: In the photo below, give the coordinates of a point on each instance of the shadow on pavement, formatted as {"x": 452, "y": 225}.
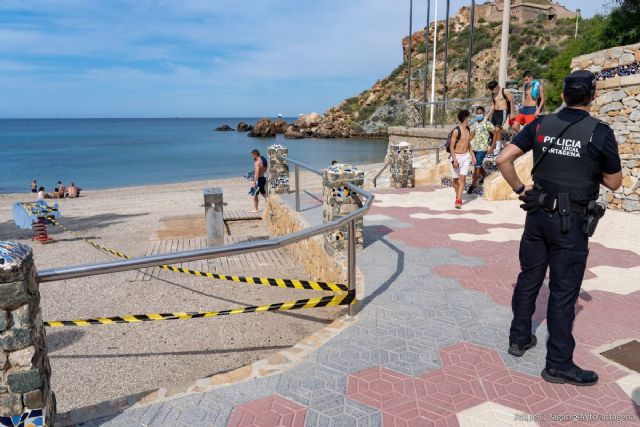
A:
{"x": 57, "y": 340}
{"x": 387, "y": 283}
{"x": 165, "y": 353}
{"x": 9, "y": 231}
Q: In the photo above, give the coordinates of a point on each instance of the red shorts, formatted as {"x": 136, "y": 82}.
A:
{"x": 524, "y": 119}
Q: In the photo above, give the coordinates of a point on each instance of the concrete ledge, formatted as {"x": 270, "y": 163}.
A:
{"x": 496, "y": 188}
{"x": 430, "y": 176}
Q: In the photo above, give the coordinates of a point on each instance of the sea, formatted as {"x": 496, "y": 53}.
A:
{"x": 109, "y": 153}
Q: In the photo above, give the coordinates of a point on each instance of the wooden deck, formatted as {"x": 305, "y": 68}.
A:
{"x": 273, "y": 263}
{"x": 192, "y": 226}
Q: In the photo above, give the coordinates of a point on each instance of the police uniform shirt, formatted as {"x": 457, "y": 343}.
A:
{"x": 603, "y": 147}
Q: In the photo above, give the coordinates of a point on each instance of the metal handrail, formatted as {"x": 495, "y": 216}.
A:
{"x": 384, "y": 167}
{"x": 455, "y": 101}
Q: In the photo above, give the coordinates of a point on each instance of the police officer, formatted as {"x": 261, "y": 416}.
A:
{"x": 573, "y": 154}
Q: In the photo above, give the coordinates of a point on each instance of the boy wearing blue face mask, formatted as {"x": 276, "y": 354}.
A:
{"x": 480, "y": 144}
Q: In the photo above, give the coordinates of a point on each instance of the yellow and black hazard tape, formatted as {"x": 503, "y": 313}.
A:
{"x": 327, "y": 301}
{"x": 266, "y": 281}
{"x": 37, "y": 206}
{"x": 94, "y": 244}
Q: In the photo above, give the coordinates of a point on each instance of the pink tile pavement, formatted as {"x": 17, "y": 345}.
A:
{"x": 271, "y": 411}
{"x": 471, "y": 375}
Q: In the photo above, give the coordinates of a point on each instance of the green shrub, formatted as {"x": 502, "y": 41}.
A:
{"x": 398, "y": 70}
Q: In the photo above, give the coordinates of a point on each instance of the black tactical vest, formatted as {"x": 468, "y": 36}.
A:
{"x": 567, "y": 168}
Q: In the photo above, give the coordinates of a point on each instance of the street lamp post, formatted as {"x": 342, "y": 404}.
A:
{"x": 504, "y": 43}
{"x": 433, "y": 67}
{"x": 446, "y": 48}
{"x": 575, "y": 36}
{"x": 426, "y": 64}
{"x": 410, "y": 47}
{"x": 471, "y": 29}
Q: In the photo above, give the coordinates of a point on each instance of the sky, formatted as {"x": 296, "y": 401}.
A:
{"x": 199, "y": 58}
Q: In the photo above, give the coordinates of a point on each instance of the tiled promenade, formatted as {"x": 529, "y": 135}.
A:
{"x": 429, "y": 347}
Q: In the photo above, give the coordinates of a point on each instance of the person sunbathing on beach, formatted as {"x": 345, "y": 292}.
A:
{"x": 42, "y": 194}
{"x": 73, "y": 191}
{"x": 61, "y": 190}
{"x": 259, "y": 181}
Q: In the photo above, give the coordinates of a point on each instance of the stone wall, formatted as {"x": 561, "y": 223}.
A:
{"x": 25, "y": 390}
{"x": 310, "y": 253}
{"x": 618, "y": 104}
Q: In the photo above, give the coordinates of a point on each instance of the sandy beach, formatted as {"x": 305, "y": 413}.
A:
{"x": 91, "y": 365}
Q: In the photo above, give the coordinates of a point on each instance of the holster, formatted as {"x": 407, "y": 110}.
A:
{"x": 564, "y": 210}
{"x": 594, "y": 212}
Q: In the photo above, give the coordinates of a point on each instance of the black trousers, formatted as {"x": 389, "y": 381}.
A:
{"x": 544, "y": 245}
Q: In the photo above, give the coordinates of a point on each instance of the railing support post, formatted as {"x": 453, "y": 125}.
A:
{"x": 351, "y": 265}
{"x": 401, "y": 164}
{"x": 25, "y": 387}
{"x": 214, "y": 216}
{"x": 297, "y": 173}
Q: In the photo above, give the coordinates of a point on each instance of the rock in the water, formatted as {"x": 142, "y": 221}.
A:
{"x": 224, "y": 128}
{"x": 243, "y": 127}
{"x": 280, "y": 126}
{"x": 263, "y": 128}
{"x": 293, "y": 134}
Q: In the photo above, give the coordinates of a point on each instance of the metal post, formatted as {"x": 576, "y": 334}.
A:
{"x": 469, "y": 65}
{"x": 438, "y": 156}
{"x": 410, "y": 47}
{"x": 446, "y": 50}
{"x": 575, "y": 36}
{"x": 504, "y": 44}
{"x": 426, "y": 64}
{"x": 297, "y": 174}
{"x": 351, "y": 264}
{"x": 214, "y": 216}
{"x": 433, "y": 67}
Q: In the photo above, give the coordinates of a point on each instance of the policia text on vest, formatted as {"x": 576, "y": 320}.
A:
{"x": 573, "y": 154}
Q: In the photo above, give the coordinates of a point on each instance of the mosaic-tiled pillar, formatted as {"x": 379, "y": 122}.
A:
{"x": 25, "y": 392}
{"x": 278, "y": 169}
{"x": 400, "y": 156}
{"x": 339, "y": 201}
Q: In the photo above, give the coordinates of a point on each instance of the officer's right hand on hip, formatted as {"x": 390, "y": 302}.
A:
{"x": 530, "y": 199}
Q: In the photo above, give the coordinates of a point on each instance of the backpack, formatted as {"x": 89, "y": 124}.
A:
{"x": 264, "y": 161}
{"x": 447, "y": 145}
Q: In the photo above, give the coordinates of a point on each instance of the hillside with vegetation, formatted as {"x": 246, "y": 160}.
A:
{"x": 541, "y": 46}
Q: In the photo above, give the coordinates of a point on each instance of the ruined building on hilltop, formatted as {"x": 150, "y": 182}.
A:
{"x": 523, "y": 10}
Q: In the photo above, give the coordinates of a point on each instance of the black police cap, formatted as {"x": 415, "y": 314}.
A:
{"x": 581, "y": 78}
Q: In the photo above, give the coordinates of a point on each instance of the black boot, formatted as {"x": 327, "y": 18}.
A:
{"x": 573, "y": 375}
{"x": 520, "y": 350}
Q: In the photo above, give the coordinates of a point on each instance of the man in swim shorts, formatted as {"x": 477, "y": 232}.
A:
{"x": 502, "y": 109}
{"x": 532, "y": 101}
{"x": 462, "y": 156}
{"x": 259, "y": 181}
